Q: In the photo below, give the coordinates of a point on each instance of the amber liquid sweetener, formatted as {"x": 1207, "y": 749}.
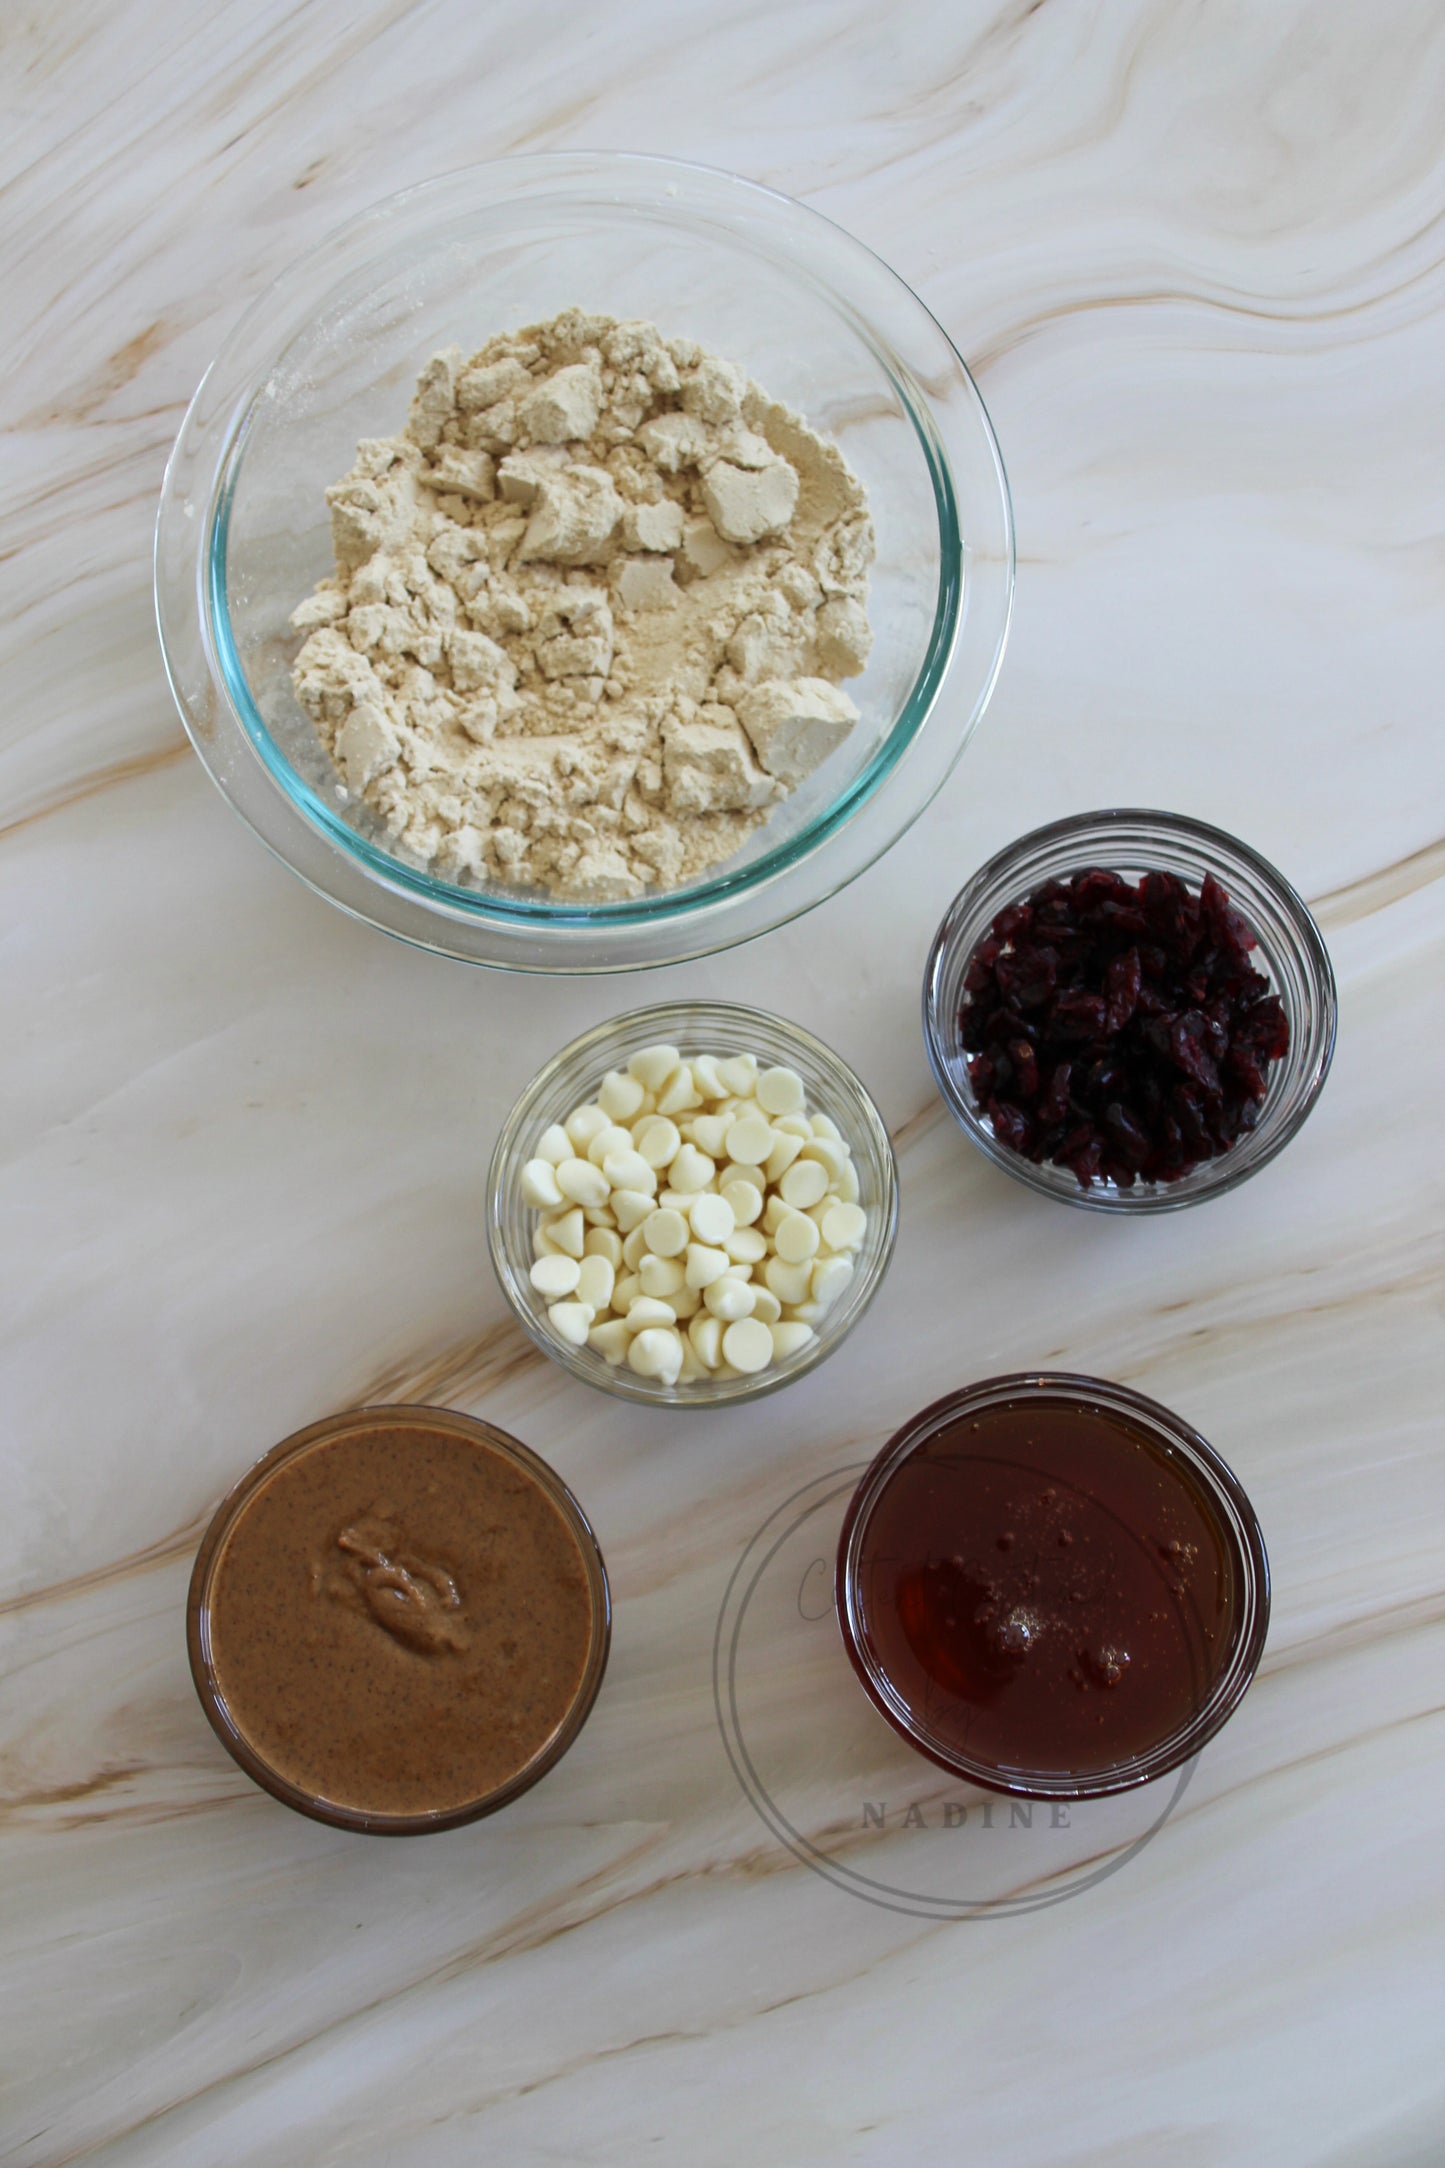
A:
{"x": 1045, "y": 1589}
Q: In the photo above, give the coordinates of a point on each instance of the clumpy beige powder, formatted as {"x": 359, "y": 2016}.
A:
{"x": 590, "y": 614}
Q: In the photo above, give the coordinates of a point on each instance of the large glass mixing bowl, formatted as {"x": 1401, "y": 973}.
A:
{"x": 330, "y": 355}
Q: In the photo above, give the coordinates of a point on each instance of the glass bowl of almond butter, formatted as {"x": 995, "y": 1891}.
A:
{"x": 692, "y": 1205}
{"x": 584, "y": 562}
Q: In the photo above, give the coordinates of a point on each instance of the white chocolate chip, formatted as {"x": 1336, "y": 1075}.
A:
{"x": 679, "y": 1093}
{"x": 829, "y": 1278}
{"x": 610, "y": 1139}
{"x": 595, "y": 1281}
{"x": 709, "y": 1134}
{"x": 657, "y": 1140}
{"x": 556, "y": 1277}
{"x": 796, "y": 1239}
{"x": 845, "y": 1227}
{"x": 750, "y": 1140}
{"x": 712, "y": 1217}
{"x": 603, "y": 1242}
{"x": 691, "y": 1170}
{"x": 626, "y": 1290}
{"x": 620, "y": 1096}
{"x": 705, "y": 1265}
{"x": 729, "y": 1299}
{"x": 568, "y": 1232}
{"x": 789, "y": 1337}
{"x": 583, "y": 1124}
{"x": 804, "y": 1184}
{"x": 611, "y": 1340}
{"x": 790, "y": 1283}
{"x": 649, "y": 1310}
{"x": 582, "y": 1182}
{"x": 666, "y": 1232}
{"x": 539, "y": 1185}
{"x": 745, "y": 1246}
{"x": 661, "y": 1276}
{"x": 635, "y": 1248}
{"x": 627, "y": 1170}
{"x": 785, "y": 1150}
{"x": 705, "y": 1077}
{"x": 657, "y": 1353}
{"x": 827, "y": 1154}
{"x": 705, "y": 1333}
{"x": 555, "y": 1145}
{"x": 631, "y": 1207}
{"x": 571, "y": 1321}
{"x": 745, "y": 1199}
{"x": 781, "y": 1091}
{"x": 748, "y": 1345}
{"x": 653, "y": 1065}
{"x": 738, "y": 1074}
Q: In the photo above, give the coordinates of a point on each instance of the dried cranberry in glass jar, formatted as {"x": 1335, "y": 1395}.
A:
{"x": 1119, "y": 1028}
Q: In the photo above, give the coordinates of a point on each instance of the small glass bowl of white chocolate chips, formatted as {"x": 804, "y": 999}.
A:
{"x": 692, "y": 1204}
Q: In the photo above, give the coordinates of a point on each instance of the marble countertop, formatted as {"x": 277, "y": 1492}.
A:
{"x": 1194, "y": 256}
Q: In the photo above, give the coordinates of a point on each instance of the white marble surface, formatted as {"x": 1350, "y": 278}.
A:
{"x": 1195, "y": 257}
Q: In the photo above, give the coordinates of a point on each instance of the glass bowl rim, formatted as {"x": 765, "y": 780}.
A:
{"x": 701, "y": 911}
{"x": 712, "y": 1395}
{"x": 475, "y": 1430}
{"x": 1236, "y": 1517}
{"x": 992, "y": 882}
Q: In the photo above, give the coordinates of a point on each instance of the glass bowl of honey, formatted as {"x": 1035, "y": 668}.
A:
{"x": 1052, "y": 1586}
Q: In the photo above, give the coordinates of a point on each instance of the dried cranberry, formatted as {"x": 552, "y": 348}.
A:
{"x": 1119, "y": 1028}
{"x": 1028, "y": 976}
{"x": 1096, "y": 885}
{"x": 1010, "y": 1125}
{"x": 982, "y": 1076}
{"x": 1129, "y": 1138}
{"x": 1247, "y": 1071}
{"x": 1122, "y": 980}
{"x": 980, "y": 969}
{"x": 1230, "y": 930}
{"x": 1119, "y": 918}
{"x": 1086, "y": 1156}
{"x": 1266, "y": 1028}
{"x": 1189, "y": 1045}
{"x": 1025, "y": 1069}
{"x": 1105, "y": 1079}
{"x": 1054, "y": 1105}
{"x": 1079, "y": 1016}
